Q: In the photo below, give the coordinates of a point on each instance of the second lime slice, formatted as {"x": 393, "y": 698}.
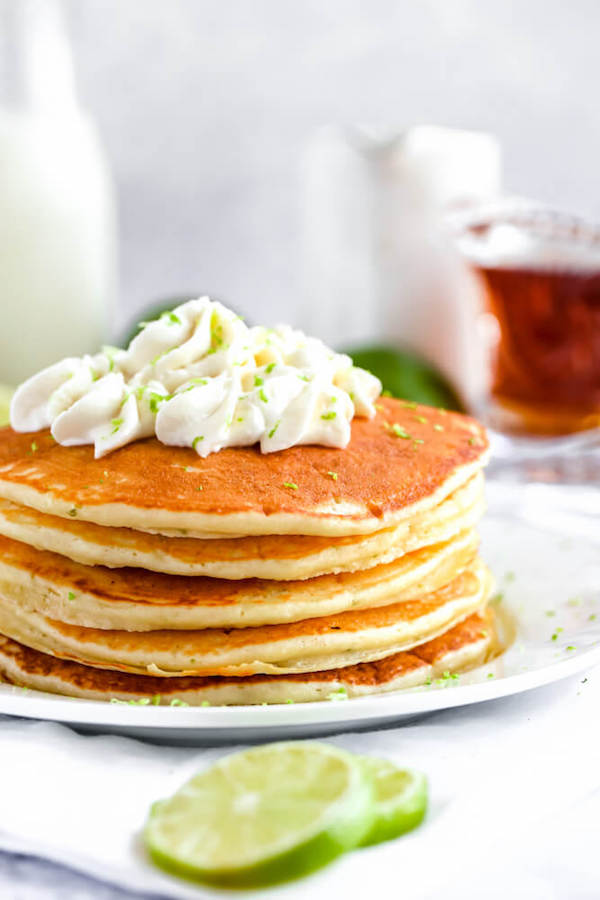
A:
{"x": 266, "y": 815}
{"x": 400, "y": 800}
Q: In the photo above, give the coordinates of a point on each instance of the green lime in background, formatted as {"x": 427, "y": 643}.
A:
{"x": 407, "y": 375}
{"x": 6, "y": 393}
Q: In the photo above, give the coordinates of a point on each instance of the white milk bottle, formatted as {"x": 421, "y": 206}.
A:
{"x": 57, "y": 211}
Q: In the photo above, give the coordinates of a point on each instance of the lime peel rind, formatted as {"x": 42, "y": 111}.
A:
{"x": 400, "y": 801}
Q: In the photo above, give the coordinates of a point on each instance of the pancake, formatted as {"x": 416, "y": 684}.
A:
{"x": 315, "y": 644}
{"x": 136, "y": 600}
{"x": 402, "y": 462}
{"x": 278, "y": 557}
{"x": 464, "y": 646}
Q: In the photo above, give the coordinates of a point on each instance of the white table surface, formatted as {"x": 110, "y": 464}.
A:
{"x": 515, "y": 806}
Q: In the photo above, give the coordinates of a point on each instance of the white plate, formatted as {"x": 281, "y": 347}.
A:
{"x": 549, "y": 583}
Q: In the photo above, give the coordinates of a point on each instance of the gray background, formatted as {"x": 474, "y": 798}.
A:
{"x": 205, "y": 107}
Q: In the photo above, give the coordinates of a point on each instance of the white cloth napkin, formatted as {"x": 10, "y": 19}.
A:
{"x": 515, "y": 802}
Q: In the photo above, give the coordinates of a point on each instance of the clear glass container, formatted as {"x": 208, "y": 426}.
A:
{"x": 539, "y": 273}
{"x": 57, "y": 214}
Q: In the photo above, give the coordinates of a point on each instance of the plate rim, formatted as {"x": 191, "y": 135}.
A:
{"x": 15, "y": 701}
{"x": 387, "y": 706}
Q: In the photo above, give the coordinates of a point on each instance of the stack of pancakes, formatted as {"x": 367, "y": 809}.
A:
{"x": 245, "y": 578}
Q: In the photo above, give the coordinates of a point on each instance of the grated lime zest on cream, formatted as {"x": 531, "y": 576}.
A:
{"x": 199, "y": 377}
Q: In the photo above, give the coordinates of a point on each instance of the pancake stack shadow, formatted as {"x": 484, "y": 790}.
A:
{"x": 152, "y": 575}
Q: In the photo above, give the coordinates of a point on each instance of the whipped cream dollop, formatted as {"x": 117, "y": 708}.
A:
{"x": 199, "y": 377}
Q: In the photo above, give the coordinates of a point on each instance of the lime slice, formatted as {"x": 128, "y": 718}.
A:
{"x": 6, "y": 393}
{"x": 266, "y": 815}
{"x": 400, "y": 800}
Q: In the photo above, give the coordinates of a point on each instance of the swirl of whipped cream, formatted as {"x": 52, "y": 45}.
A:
{"x": 199, "y": 377}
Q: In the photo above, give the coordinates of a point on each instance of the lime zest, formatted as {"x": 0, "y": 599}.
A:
{"x": 170, "y": 317}
{"x": 398, "y": 431}
{"x": 340, "y": 694}
{"x": 110, "y": 353}
{"x": 156, "y": 400}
